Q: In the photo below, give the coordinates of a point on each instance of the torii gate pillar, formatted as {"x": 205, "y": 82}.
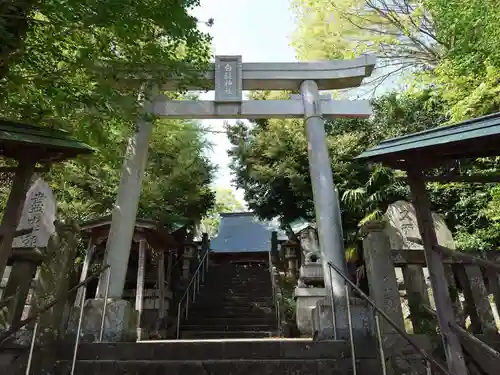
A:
{"x": 229, "y": 77}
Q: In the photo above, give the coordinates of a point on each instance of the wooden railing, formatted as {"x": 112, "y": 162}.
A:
{"x": 474, "y": 289}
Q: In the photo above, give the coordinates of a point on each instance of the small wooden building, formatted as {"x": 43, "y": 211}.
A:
{"x": 154, "y": 263}
{"x": 33, "y": 149}
{"x": 419, "y": 155}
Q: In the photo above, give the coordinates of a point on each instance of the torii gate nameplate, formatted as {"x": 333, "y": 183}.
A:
{"x": 228, "y": 79}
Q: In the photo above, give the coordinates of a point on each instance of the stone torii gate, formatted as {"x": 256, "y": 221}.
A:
{"x": 229, "y": 77}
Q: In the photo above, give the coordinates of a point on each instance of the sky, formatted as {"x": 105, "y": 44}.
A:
{"x": 259, "y": 31}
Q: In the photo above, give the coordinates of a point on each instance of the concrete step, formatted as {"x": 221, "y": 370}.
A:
{"x": 224, "y": 314}
{"x": 212, "y": 350}
{"x": 225, "y": 294}
{"x": 243, "y": 286}
{"x": 230, "y": 308}
{"x": 236, "y": 306}
{"x": 218, "y": 367}
{"x": 238, "y": 281}
{"x": 230, "y": 321}
{"x": 247, "y": 293}
{"x": 204, "y": 335}
{"x": 227, "y": 327}
{"x": 214, "y": 300}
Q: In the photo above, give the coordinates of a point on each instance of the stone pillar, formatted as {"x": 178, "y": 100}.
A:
{"x": 291, "y": 257}
{"x": 326, "y": 200}
{"x": 124, "y": 213}
{"x": 188, "y": 257}
{"x": 161, "y": 285}
{"x": 381, "y": 275}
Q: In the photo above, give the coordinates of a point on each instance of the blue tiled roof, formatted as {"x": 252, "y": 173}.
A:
{"x": 243, "y": 232}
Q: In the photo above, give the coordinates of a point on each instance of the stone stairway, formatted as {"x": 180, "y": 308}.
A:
{"x": 217, "y": 357}
{"x": 234, "y": 302}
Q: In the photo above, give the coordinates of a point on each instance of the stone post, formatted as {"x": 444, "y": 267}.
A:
{"x": 291, "y": 257}
{"x": 381, "y": 275}
{"x": 124, "y": 212}
{"x": 188, "y": 256}
{"x": 326, "y": 202}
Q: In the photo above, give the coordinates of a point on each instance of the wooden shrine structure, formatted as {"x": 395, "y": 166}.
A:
{"x": 159, "y": 259}
{"x": 418, "y": 154}
{"x": 28, "y": 149}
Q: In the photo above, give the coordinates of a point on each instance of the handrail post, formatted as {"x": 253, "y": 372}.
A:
{"x": 332, "y": 302}
{"x": 187, "y": 305}
{"x": 380, "y": 342}
{"x": 195, "y": 283}
{"x": 60, "y": 298}
{"x": 32, "y": 348}
{"x": 351, "y": 334}
{"x": 178, "y": 320}
{"x": 105, "y": 305}
{"x": 398, "y": 329}
{"x": 77, "y": 340}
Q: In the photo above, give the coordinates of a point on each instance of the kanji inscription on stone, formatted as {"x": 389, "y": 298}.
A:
{"x": 39, "y": 213}
{"x": 228, "y": 79}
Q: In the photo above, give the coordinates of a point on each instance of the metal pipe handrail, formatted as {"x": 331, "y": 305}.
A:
{"x": 394, "y": 325}
{"x": 63, "y": 297}
{"x": 194, "y": 279}
{"x": 275, "y": 297}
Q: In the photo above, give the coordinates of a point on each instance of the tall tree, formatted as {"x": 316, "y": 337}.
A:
{"x": 400, "y": 32}
{"x": 80, "y": 68}
{"x": 111, "y": 29}
{"x": 269, "y": 159}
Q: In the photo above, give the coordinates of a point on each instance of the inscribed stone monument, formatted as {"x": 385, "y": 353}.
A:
{"x": 402, "y": 228}
{"x": 39, "y": 213}
{"x": 402, "y": 225}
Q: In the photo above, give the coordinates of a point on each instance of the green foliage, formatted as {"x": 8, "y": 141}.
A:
{"x": 468, "y": 71}
{"x": 271, "y": 164}
{"x": 451, "y": 47}
{"x": 400, "y": 32}
{"x": 81, "y": 66}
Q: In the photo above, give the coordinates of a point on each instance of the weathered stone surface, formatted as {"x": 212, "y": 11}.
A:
{"x": 306, "y": 300}
{"x": 382, "y": 280}
{"x": 402, "y": 227}
{"x": 272, "y": 356}
{"x": 119, "y": 325}
{"x": 228, "y": 367}
{"x": 361, "y": 320}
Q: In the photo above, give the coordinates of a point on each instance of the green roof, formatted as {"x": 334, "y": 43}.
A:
{"x": 474, "y": 138}
{"x": 49, "y": 144}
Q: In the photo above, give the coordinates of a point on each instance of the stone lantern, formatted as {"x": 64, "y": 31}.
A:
{"x": 188, "y": 255}
{"x": 291, "y": 250}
